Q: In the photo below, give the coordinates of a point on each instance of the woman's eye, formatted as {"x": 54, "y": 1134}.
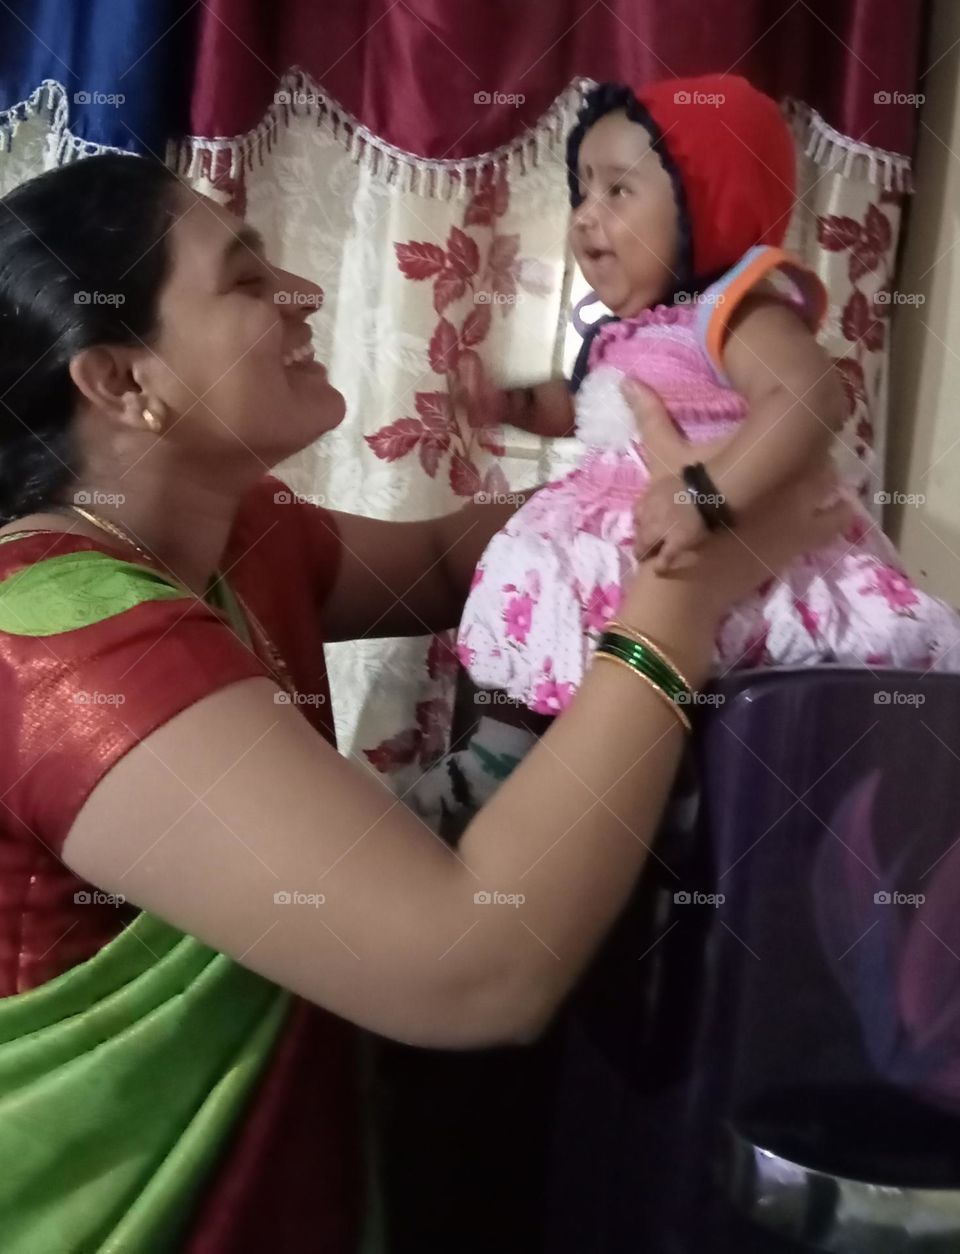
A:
{"x": 250, "y": 281}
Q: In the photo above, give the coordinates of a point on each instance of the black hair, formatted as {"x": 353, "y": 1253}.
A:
{"x": 83, "y": 258}
{"x": 608, "y": 98}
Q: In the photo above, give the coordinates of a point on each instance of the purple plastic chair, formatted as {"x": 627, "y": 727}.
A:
{"x": 766, "y": 1057}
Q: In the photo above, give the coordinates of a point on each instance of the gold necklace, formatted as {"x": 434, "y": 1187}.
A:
{"x": 112, "y": 529}
{"x": 264, "y": 645}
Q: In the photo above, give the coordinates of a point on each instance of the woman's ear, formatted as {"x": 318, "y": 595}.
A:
{"x": 106, "y": 378}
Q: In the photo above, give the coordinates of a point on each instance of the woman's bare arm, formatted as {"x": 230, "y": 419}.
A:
{"x": 237, "y": 800}
{"x": 408, "y": 579}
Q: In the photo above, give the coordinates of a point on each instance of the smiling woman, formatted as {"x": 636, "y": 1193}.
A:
{"x": 196, "y": 890}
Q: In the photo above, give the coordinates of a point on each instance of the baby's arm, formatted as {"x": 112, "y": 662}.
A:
{"x": 545, "y": 409}
{"x": 794, "y": 397}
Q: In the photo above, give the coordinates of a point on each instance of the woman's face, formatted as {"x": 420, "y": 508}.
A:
{"x": 229, "y": 323}
{"x": 624, "y": 233}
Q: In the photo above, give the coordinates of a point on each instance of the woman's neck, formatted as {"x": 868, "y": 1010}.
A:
{"x": 180, "y": 526}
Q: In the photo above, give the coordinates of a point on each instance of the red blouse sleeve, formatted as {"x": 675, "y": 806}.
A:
{"x": 74, "y": 703}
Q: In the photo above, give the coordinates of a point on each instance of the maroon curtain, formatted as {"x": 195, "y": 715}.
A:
{"x": 411, "y": 72}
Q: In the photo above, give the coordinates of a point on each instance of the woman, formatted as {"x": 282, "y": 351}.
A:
{"x": 182, "y": 846}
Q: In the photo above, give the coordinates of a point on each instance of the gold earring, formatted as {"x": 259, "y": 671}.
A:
{"x": 152, "y": 421}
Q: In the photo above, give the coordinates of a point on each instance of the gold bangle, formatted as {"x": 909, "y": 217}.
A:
{"x": 681, "y": 714}
{"x": 615, "y": 624}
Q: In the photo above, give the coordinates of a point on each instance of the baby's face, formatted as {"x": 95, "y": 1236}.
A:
{"x": 624, "y": 233}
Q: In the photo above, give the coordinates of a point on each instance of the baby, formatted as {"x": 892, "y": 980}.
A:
{"x": 681, "y": 196}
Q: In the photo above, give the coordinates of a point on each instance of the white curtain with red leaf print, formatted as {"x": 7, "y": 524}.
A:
{"x": 422, "y": 285}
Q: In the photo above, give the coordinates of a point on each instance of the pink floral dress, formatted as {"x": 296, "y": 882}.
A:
{"x": 549, "y": 581}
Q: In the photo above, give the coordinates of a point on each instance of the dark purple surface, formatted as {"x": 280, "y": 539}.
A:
{"x": 813, "y": 1018}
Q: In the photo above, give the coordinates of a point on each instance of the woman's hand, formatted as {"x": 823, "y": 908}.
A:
{"x": 669, "y": 528}
{"x": 732, "y": 563}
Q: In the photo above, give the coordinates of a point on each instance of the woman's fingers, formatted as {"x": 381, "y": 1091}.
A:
{"x": 665, "y": 449}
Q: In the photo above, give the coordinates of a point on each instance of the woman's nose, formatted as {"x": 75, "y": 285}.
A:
{"x": 303, "y": 296}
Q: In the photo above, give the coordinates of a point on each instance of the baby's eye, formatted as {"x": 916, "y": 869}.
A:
{"x": 618, "y": 189}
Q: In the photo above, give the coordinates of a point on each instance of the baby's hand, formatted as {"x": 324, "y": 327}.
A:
{"x": 669, "y": 526}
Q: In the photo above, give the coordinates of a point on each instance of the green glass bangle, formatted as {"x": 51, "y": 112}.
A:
{"x": 678, "y": 696}
{"x": 646, "y": 661}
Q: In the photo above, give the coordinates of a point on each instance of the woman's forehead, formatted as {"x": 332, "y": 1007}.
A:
{"x": 205, "y": 236}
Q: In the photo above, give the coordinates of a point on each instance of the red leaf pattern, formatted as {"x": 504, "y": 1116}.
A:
{"x": 837, "y": 233}
{"x": 420, "y": 261}
{"x": 464, "y": 476}
{"x": 444, "y": 347}
{"x": 462, "y": 253}
{"x": 397, "y": 440}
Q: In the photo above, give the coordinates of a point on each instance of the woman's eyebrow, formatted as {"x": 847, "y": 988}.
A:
{"x": 246, "y": 239}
